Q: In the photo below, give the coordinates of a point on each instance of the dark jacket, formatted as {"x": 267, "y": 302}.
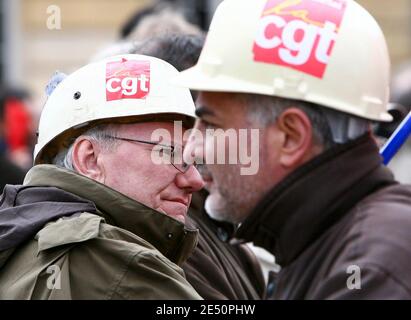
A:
{"x": 338, "y": 214}
{"x": 218, "y": 269}
{"x": 99, "y": 243}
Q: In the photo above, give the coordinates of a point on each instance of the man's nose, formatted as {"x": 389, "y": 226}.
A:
{"x": 190, "y": 180}
{"x": 194, "y": 147}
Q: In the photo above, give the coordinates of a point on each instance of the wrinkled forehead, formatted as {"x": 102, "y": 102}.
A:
{"x": 223, "y": 109}
{"x": 221, "y": 102}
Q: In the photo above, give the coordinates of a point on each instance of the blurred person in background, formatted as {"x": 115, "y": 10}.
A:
{"x": 401, "y": 94}
{"x": 158, "y": 19}
{"x": 14, "y": 123}
{"x": 18, "y": 128}
{"x": 188, "y": 16}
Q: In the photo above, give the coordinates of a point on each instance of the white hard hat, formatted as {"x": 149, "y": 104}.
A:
{"x": 121, "y": 89}
{"x": 328, "y": 52}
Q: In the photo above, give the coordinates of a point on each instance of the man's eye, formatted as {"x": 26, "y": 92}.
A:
{"x": 207, "y": 125}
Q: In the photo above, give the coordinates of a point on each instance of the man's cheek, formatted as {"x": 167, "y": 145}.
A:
{"x": 209, "y": 152}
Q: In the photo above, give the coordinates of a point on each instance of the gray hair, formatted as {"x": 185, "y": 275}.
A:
{"x": 100, "y": 134}
{"x": 329, "y": 127}
{"x": 165, "y": 21}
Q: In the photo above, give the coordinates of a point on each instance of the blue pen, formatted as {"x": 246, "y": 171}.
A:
{"x": 396, "y": 141}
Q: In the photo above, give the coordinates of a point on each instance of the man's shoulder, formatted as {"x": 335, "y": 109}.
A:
{"x": 86, "y": 229}
{"x": 393, "y": 200}
{"x": 371, "y": 244}
{"x": 384, "y": 217}
{"x": 375, "y": 237}
{"x": 96, "y": 261}
{"x": 379, "y": 224}
{"x": 93, "y": 240}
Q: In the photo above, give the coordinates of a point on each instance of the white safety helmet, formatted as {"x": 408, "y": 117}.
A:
{"x": 123, "y": 89}
{"x": 328, "y": 52}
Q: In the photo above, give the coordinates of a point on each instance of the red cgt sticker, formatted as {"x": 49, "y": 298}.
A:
{"x": 299, "y": 34}
{"x": 127, "y": 79}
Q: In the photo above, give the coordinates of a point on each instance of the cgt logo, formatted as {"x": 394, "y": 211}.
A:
{"x": 127, "y": 79}
{"x": 299, "y": 34}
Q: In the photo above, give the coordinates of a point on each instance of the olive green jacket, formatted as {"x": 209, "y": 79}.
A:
{"x": 123, "y": 250}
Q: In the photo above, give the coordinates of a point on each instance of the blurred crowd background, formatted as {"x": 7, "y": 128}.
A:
{"x": 35, "y": 43}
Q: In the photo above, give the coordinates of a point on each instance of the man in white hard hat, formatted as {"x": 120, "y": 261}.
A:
{"x": 100, "y": 216}
{"x": 311, "y": 76}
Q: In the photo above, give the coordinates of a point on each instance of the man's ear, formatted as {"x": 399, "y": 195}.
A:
{"x": 297, "y": 144}
{"x": 85, "y": 159}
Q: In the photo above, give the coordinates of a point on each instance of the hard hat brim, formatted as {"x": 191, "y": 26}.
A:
{"x": 195, "y": 79}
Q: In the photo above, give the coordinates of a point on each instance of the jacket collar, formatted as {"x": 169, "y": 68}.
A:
{"x": 310, "y": 200}
{"x": 168, "y": 235}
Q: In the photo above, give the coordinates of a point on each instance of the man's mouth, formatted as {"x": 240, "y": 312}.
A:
{"x": 178, "y": 208}
{"x": 180, "y": 200}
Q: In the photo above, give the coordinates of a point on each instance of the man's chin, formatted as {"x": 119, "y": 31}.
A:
{"x": 216, "y": 208}
{"x": 176, "y": 210}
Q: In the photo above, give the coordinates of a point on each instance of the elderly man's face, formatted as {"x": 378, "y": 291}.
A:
{"x": 232, "y": 195}
{"x": 130, "y": 170}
